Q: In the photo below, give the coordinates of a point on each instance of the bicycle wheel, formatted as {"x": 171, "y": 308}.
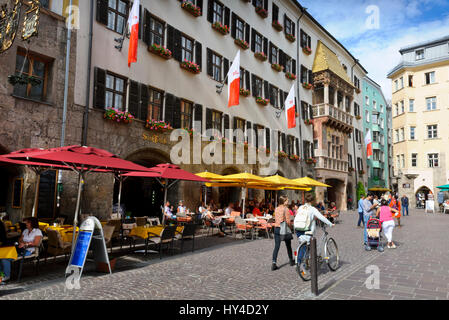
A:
{"x": 331, "y": 254}
{"x": 303, "y": 266}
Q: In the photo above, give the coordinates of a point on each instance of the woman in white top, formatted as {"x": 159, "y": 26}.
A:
{"x": 30, "y": 239}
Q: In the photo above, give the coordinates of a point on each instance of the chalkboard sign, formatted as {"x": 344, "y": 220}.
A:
{"x": 47, "y": 194}
{"x": 17, "y": 193}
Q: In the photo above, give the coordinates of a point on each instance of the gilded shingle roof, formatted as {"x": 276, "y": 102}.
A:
{"x": 325, "y": 59}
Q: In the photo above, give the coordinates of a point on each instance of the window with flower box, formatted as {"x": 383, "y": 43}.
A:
{"x": 258, "y": 42}
{"x": 216, "y": 121}
{"x": 218, "y": 13}
{"x": 305, "y": 40}
{"x": 257, "y": 86}
{"x": 155, "y": 104}
{"x": 240, "y": 30}
{"x": 274, "y": 96}
{"x": 156, "y": 35}
{"x": 115, "y": 92}
{"x": 187, "y": 48}
{"x": 186, "y": 114}
{"x": 33, "y": 67}
{"x": 273, "y": 57}
{"x": 289, "y": 26}
{"x": 184, "y": 47}
{"x": 239, "y": 126}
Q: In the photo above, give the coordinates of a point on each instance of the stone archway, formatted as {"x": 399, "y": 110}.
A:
{"x": 336, "y": 193}
{"x": 422, "y": 193}
{"x": 144, "y": 196}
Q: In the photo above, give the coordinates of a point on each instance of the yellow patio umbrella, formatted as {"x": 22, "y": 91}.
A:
{"x": 244, "y": 179}
{"x": 282, "y": 181}
{"x": 249, "y": 185}
{"x": 209, "y": 176}
{"x": 311, "y": 182}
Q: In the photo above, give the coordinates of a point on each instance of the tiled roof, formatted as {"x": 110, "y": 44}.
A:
{"x": 325, "y": 59}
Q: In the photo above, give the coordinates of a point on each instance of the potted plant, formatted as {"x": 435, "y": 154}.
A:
{"x": 281, "y": 154}
{"x": 277, "y": 67}
{"x": 118, "y": 116}
{"x": 244, "y": 92}
{"x": 23, "y": 79}
{"x": 157, "y": 125}
{"x": 358, "y": 117}
{"x": 262, "y": 12}
{"x": 358, "y": 90}
{"x": 307, "y": 50}
{"x": 277, "y": 25}
{"x": 190, "y": 7}
{"x": 160, "y": 51}
{"x": 361, "y": 172}
{"x": 290, "y": 76}
{"x": 222, "y": 28}
{"x": 190, "y": 66}
{"x": 294, "y": 157}
{"x": 290, "y": 37}
{"x": 2, "y": 275}
{"x": 262, "y": 101}
{"x": 241, "y": 43}
{"x": 311, "y": 160}
{"x": 189, "y": 131}
{"x": 307, "y": 85}
{"x": 261, "y": 56}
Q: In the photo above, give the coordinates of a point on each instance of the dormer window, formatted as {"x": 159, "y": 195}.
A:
{"x": 419, "y": 54}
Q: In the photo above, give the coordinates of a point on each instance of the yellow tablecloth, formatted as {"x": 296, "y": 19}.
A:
{"x": 8, "y": 253}
{"x": 66, "y": 233}
{"x": 142, "y": 232}
{"x": 7, "y": 223}
{"x": 43, "y": 226}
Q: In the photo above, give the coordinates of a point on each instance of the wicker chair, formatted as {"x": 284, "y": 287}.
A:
{"x": 242, "y": 227}
{"x": 55, "y": 245}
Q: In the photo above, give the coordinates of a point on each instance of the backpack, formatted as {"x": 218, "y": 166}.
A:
{"x": 302, "y": 219}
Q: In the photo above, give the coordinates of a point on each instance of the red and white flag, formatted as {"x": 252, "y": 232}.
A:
{"x": 369, "y": 144}
{"x": 234, "y": 82}
{"x": 290, "y": 108}
{"x": 133, "y": 25}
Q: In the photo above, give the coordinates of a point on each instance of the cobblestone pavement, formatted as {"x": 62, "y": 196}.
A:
{"x": 228, "y": 268}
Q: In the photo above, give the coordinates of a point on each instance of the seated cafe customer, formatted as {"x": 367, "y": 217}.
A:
{"x": 216, "y": 221}
{"x": 30, "y": 239}
{"x": 168, "y": 212}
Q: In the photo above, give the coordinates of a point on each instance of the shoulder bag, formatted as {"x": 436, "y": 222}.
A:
{"x": 285, "y": 232}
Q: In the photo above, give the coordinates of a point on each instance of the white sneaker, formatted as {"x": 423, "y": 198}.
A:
{"x": 388, "y": 246}
{"x": 393, "y": 246}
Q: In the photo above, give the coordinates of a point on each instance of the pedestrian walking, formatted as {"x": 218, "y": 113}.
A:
{"x": 395, "y": 204}
{"x": 360, "y": 209}
{"x": 281, "y": 214}
{"x": 384, "y": 213}
{"x": 404, "y": 205}
{"x": 368, "y": 211}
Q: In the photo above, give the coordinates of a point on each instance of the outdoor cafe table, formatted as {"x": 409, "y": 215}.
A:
{"x": 143, "y": 232}
{"x": 65, "y": 231}
{"x": 8, "y": 253}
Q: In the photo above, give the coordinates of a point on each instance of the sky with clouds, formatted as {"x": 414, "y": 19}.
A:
{"x": 376, "y": 42}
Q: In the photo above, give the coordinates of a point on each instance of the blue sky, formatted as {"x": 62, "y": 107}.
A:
{"x": 376, "y": 45}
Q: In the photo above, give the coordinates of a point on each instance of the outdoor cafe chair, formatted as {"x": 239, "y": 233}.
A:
{"x": 55, "y": 245}
{"x": 263, "y": 225}
{"x": 34, "y": 258}
{"x": 166, "y": 237}
{"x": 141, "y": 221}
{"x": 242, "y": 227}
{"x": 117, "y": 234}
{"x": 188, "y": 232}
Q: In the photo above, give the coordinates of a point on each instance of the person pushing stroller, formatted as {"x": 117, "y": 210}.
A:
{"x": 368, "y": 211}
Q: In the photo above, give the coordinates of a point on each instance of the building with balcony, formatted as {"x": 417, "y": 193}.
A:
{"x": 375, "y": 119}
{"x": 420, "y": 111}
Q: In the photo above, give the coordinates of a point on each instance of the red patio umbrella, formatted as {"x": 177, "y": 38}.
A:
{"x": 82, "y": 160}
{"x": 167, "y": 171}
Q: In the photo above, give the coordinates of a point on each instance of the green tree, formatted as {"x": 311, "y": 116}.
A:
{"x": 360, "y": 191}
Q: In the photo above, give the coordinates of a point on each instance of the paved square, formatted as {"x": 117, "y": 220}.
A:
{"x": 228, "y": 268}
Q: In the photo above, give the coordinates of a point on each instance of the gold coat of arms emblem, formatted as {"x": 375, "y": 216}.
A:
{"x": 9, "y": 23}
{"x": 31, "y": 20}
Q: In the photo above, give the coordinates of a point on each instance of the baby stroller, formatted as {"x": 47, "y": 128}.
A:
{"x": 373, "y": 228}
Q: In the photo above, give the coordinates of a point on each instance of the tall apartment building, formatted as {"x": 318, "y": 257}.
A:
{"x": 281, "y": 44}
{"x": 420, "y": 112}
{"x": 375, "y": 119}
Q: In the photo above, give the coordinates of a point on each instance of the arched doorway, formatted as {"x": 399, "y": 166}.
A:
{"x": 229, "y": 194}
{"x": 335, "y": 194}
{"x": 422, "y": 194}
{"x": 143, "y": 196}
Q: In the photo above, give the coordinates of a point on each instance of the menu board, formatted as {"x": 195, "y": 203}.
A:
{"x": 82, "y": 246}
